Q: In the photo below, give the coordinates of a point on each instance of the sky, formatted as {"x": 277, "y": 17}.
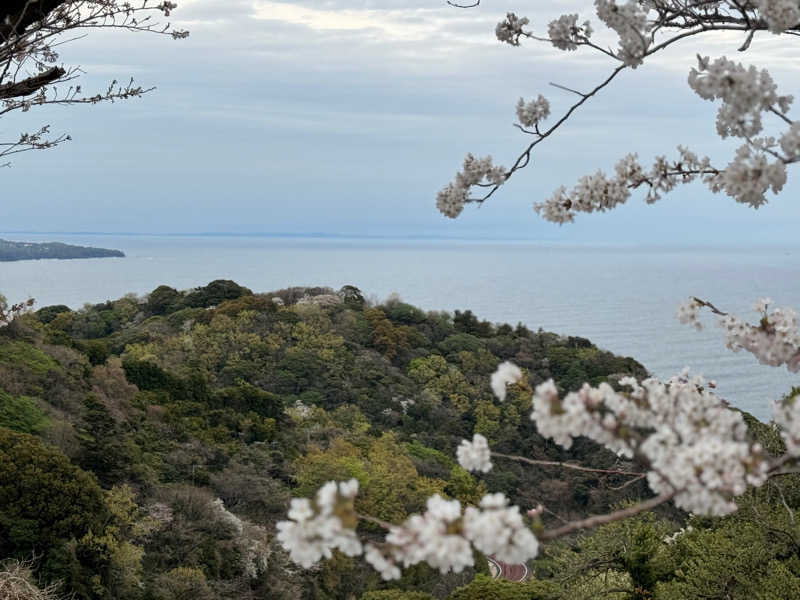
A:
{"x": 345, "y": 117}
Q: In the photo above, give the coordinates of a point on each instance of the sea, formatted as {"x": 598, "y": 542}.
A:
{"x": 622, "y": 297}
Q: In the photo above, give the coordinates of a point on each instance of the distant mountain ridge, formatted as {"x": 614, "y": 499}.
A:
{"x": 10, "y": 251}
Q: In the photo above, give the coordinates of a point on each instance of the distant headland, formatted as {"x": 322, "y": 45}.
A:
{"x": 33, "y": 251}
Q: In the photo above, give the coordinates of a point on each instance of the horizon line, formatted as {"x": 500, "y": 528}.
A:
{"x": 419, "y": 237}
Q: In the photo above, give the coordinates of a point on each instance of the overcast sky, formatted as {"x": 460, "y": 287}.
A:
{"x": 347, "y": 116}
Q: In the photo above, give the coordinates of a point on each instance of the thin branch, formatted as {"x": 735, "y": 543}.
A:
{"x": 380, "y": 522}
{"x": 628, "y": 483}
{"x": 785, "y": 504}
{"x": 566, "y": 89}
{"x": 747, "y": 41}
{"x": 597, "y": 520}
{"x": 524, "y": 159}
{"x": 786, "y": 119}
{"x": 551, "y": 463}
{"x": 710, "y": 306}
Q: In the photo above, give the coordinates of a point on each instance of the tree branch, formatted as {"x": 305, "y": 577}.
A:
{"x": 17, "y": 15}
{"x": 597, "y": 520}
{"x": 551, "y": 463}
{"x": 30, "y": 85}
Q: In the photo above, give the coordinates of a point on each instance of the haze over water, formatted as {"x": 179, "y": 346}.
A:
{"x": 623, "y": 298}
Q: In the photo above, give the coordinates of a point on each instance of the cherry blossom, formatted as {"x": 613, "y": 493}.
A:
{"x": 475, "y": 455}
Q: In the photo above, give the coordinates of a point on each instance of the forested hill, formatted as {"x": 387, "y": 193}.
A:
{"x": 10, "y": 251}
{"x": 149, "y": 445}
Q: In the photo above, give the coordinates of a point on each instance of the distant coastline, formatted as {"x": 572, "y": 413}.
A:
{"x": 13, "y": 251}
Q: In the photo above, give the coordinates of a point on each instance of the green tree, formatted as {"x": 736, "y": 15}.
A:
{"x": 164, "y": 300}
{"x": 391, "y": 487}
{"x": 215, "y": 293}
{"x": 102, "y": 448}
{"x": 484, "y": 587}
{"x": 44, "y": 499}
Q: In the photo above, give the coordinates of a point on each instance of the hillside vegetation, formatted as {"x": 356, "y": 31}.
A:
{"x": 149, "y": 445}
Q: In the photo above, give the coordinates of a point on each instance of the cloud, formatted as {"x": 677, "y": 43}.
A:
{"x": 350, "y": 114}
{"x": 389, "y": 25}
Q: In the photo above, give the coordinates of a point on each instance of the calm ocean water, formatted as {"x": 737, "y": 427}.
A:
{"x": 622, "y": 298}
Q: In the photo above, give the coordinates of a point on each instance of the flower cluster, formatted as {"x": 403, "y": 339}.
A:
{"x": 786, "y": 417}
{"x": 383, "y": 565}
{"x": 476, "y": 171}
{"x": 530, "y": 113}
{"x": 251, "y": 539}
{"x": 671, "y": 539}
{"x": 745, "y": 94}
{"x": 780, "y": 15}
{"x": 790, "y": 142}
{"x": 746, "y": 179}
{"x": 167, "y": 7}
{"x": 687, "y": 313}
{"x": 748, "y": 176}
{"x": 756, "y": 167}
{"x": 630, "y": 23}
{"x": 430, "y": 538}
{"x": 566, "y": 34}
{"x": 443, "y": 538}
{"x": 8, "y": 314}
{"x": 498, "y": 529}
{"x": 510, "y": 29}
{"x": 315, "y": 529}
{"x": 775, "y": 341}
{"x": 475, "y": 455}
{"x": 696, "y": 448}
{"x": 227, "y": 517}
{"x": 596, "y": 192}
{"x": 505, "y": 374}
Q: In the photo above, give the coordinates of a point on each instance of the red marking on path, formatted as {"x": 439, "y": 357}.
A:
{"x": 510, "y": 572}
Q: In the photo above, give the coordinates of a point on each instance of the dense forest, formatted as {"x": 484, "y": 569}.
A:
{"x": 148, "y": 445}
{"x": 10, "y": 251}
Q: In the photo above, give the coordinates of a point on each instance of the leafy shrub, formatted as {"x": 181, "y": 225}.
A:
{"x": 215, "y": 293}
{"x": 48, "y": 313}
{"x": 21, "y": 414}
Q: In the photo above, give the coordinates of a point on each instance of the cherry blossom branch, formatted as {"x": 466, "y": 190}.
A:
{"x": 566, "y": 465}
{"x": 375, "y": 521}
{"x": 629, "y": 23}
{"x": 8, "y": 314}
{"x": 697, "y": 450}
{"x": 597, "y": 520}
{"x": 774, "y": 341}
{"x": 31, "y": 32}
{"x": 628, "y": 483}
{"x": 710, "y": 306}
